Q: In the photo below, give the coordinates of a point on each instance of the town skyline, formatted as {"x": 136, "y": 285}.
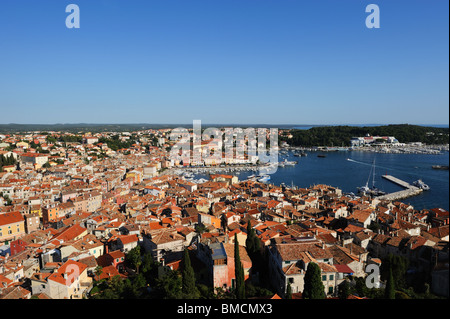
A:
{"x": 225, "y": 151}
{"x": 107, "y": 215}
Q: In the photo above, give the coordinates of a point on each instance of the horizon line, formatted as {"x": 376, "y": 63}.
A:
{"x": 267, "y": 124}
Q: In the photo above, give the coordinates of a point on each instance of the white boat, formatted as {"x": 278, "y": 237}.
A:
{"x": 419, "y": 183}
{"x": 287, "y": 163}
{"x": 264, "y": 178}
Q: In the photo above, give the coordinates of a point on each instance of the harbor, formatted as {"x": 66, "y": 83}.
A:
{"x": 410, "y": 148}
{"x": 346, "y": 171}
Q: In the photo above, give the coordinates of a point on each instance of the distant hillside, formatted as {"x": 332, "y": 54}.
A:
{"x": 341, "y": 135}
{"x": 80, "y": 127}
{"x": 96, "y": 128}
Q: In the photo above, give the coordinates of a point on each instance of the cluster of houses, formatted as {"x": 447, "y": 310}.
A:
{"x": 67, "y": 221}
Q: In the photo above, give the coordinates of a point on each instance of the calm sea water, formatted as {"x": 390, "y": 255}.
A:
{"x": 337, "y": 170}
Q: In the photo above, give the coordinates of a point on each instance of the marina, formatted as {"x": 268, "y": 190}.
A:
{"x": 370, "y": 191}
{"x": 346, "y": 171}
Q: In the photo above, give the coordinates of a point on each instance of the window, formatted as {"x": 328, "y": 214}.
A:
{"x": 324, "y": 277}
{"x": 291, "y": 280}
{"x": 331, "y": 277}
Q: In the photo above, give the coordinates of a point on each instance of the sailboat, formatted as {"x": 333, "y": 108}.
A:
{"x": 370, "y": 191}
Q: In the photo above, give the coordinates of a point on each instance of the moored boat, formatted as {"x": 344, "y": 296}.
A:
{"x": 419, "y": 183}
{"x": 440, "y": 167}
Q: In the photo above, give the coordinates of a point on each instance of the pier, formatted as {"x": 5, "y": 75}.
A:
{"x": 409, "y": 190}
{"x": 398, "y": 181}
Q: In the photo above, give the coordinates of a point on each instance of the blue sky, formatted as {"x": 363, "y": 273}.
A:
{"x": 224, "y": 61}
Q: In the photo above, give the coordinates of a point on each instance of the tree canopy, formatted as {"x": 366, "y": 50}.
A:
{"x": 313, "y": 288}
{"x": 341, "y": 135}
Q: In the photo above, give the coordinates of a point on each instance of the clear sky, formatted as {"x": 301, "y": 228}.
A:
{"x": 224, "y": 61}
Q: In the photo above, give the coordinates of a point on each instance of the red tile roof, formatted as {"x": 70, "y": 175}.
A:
{"x": 10, "y": 218}
{"x": 71, "y": 269}
{"x": 344, "y": 269}
{"x": 126, "y": 239}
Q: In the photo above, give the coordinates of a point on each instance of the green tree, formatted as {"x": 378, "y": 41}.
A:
{"x": 344, "y": 290}
{"x": 238, "y": 271}
{"x": 398, "y": 265}
{"x": 313, "y": 287}
{"x": 205, "y": 291}
{"x": 249, "y": 241}
{"x": 361, "y": 287}
{"x": 289, "y": 291}
{"x": 139, "y": 282}
{"x": 188, "y": 278}
{"x": 169, "y": 286}
{"x": 133, "y": 258}
{"x": 389, "y": 292}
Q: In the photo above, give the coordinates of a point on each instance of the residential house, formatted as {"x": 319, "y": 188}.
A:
{"x": 362, "y": 218}
{"x": 289, "y": 259}
{"x": 14, "y": 292}
{"x": 89, "y": 202}
{"x": 124, "y": 242}
{"x": 163, "y": 243}
{"x": 32, "y": 222}
{"x": 209, "y": 220}
{"x": 12, "y": 226}
{"x": 70, "y": 281}
{"x": 115, "y": 258}
{"x": 34, "y": 158}
{"x": 219, "y": 260}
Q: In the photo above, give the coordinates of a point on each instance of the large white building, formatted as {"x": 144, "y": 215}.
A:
{"x": 368, "y": 140}
{"x": 35, "y": 158}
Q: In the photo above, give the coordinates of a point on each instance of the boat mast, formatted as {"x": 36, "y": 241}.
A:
{"x": 368, "y": 179}
{"x": 373, "y": 180}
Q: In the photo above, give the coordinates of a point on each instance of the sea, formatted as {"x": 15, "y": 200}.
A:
{"x": 349, "y": 170}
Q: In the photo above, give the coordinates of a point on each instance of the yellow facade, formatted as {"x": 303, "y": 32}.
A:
{"x": 12, "y": 231}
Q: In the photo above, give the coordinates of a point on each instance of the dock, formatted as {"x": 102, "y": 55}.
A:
{"x": 398, "y": 181}
{"x": 409, "y": 190}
